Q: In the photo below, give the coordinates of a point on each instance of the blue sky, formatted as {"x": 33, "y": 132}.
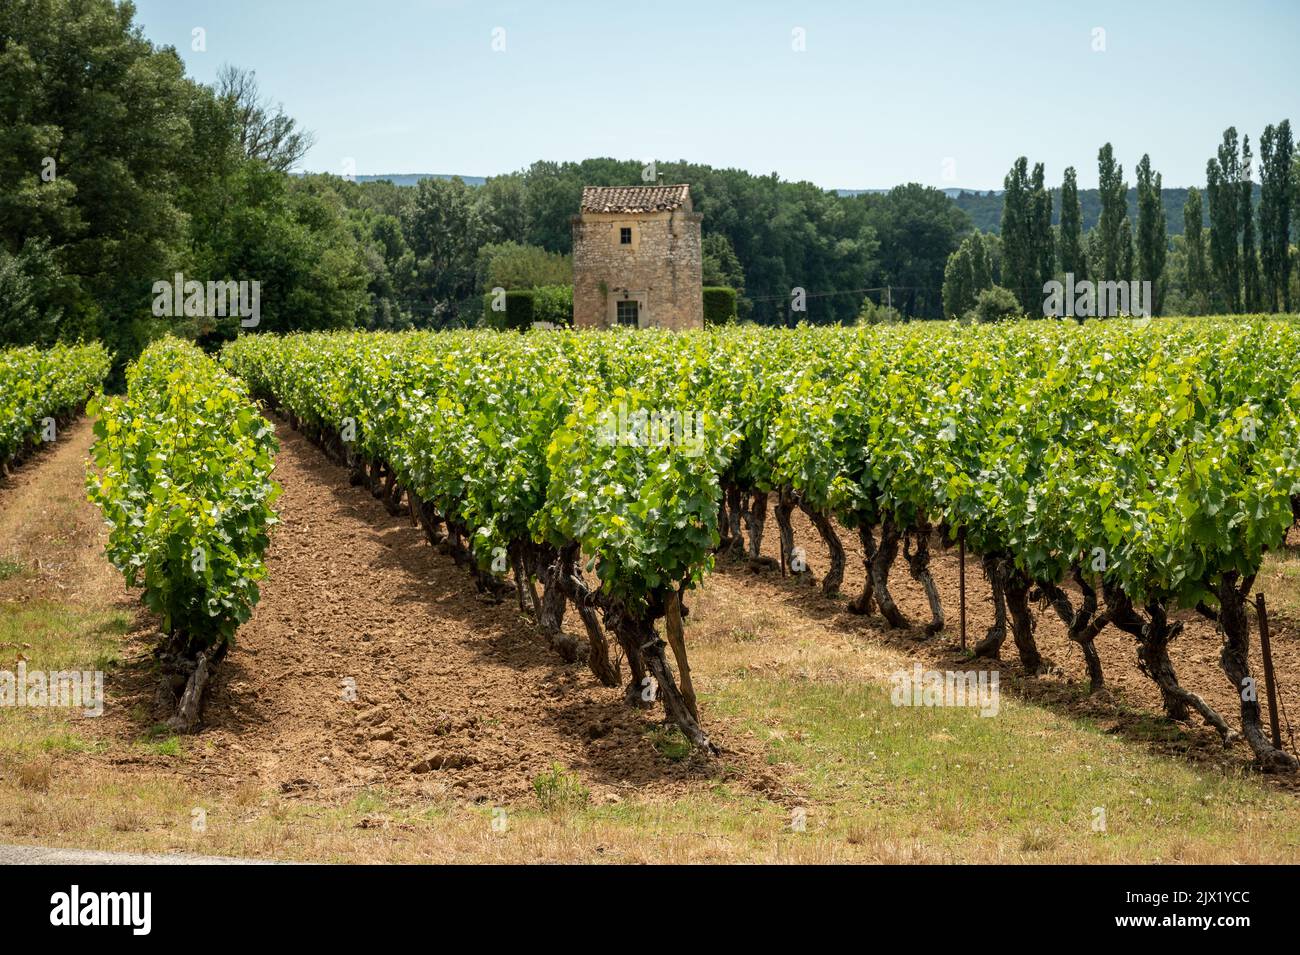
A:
{"x": 942, "y": 93}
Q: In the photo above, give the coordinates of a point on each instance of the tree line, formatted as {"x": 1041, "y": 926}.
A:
{"x": 110, "y": 186}
{"x": 1243, "y": 262}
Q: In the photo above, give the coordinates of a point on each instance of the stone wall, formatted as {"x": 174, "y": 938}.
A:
{"x": 660, "y": 269}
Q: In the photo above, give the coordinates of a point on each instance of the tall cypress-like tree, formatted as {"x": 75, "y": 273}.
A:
{"x": 1198, "y": 293}
{"x": 1042, "y": 239}
{"x": 1277, "y": 185}
{"x": 1110, "y": 224}
{"x": 957, "y": 282}
{"x": 1222, "y": 176}
{"x": 981, "y": 264}
{"x": 1249, "y": 259}
{"x": 1070, "y": 244}
{"x": 1152, "y": 237}
{"x": 1127, "y": 263}
{"x": 1019, "y": 256}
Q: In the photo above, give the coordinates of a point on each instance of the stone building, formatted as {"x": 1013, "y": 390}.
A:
{"x": 636, "y": 258}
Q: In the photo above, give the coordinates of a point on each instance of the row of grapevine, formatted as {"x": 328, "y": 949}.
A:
{"x": 1147, "y": 465}
{"x": 494, "y": 440}
{"x": 182, "y": 473}
{"x": 40, "y": 387}
{"x": 1151, "y": 465}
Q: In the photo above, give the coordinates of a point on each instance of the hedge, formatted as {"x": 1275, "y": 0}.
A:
{"x": 719, "y": 305}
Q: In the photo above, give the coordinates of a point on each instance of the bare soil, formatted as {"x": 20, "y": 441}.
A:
{"x": 370, "y": 662}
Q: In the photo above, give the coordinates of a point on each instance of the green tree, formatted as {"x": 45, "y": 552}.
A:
{"x": 917, "y": 228}
{"x": 502, "y": 204}
{"x": 264, "y": 131}
{"x": 958, "y": 280}
{"x": 721, "y": 267}
{"x": 1152, "y": 238}
{"x": 967, "y": 273}
{"x": 1249, "y": 258}
{"x": 1197, "y": 292}
{"x": 1127, "y": 254}
{"x": 93, "y": 144}
{"x": 1070, "y": 246}
{"x": 1223, "y": 176}
{"x": 1020, "y": 256}
{"x": 1277, "y": 191}
{"x": 553, "y": 192}
{"x": 510, "y": 265}
{"x": 293, "y": 238}
{"x": 985, "y": 254}
{"x": 1043, "y": 240}
{"x": 1109, "y": 264}
{"x": 444, "y": 231}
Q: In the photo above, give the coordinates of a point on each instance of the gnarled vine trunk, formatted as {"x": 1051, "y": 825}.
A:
{"x": 1082, "y": 625}
{"x": 191, "y": 668}
{"x": 784, "y": 508}
{"x": 1234, "y": 658}
{"x": 755, "y": 518}
{"x": 884, "y": 559}
{"x": 996, "y": 635}
{"x": 630, "y": 640}
{"x": 640, "y": 633}
{"x": 562, "y": 580}
{"x": 918, "y": 564}
{"x": 1016, "y": 588}
{"x": 835, "y": 572}
{"x": 865, "y": 602}
{"x": 1153, "y": 637}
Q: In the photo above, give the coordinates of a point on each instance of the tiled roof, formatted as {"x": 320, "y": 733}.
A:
{"x": 634, "y": 198}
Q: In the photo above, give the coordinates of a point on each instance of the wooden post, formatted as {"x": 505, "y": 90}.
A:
{"x": 961, "y": 581}
{"x": 1267, "y": 653}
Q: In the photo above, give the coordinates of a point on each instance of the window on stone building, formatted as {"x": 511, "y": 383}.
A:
{"x": 625, "y": 235}
{"x": 628, "y": 313}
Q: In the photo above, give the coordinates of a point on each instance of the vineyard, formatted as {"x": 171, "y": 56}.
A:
{"x": 43, "y": 387}
{"x": 1111, "y": 474}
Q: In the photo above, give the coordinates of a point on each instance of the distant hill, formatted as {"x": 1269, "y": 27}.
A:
{"x": 411, "y": 178}
{"x": 951, "y": 193}
{"x": 983, "y": 206}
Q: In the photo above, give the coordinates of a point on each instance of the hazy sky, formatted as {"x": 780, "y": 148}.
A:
{"x": 943, "y": 93}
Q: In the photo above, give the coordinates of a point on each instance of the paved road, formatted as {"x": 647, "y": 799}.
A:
{"x": 43, "y": 855}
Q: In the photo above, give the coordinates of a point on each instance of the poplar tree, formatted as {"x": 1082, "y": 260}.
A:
{"x": 1019, "y": 256}
{"x": 1110, "y": 225}
{"x": 1277, "y": 184}
{"x": 957, "y": 281}
{"x": 1070, "y": 244}
{"x": 1222, "y": 175}
{"x": 1249, "y": 260}
{"x": 1041, "y": 238}
{"x": 1197, "y": 279}
{"x": 981, "y": 264}
{"x": 1126, "y": 255}
{"x": 1152, "y": 232}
